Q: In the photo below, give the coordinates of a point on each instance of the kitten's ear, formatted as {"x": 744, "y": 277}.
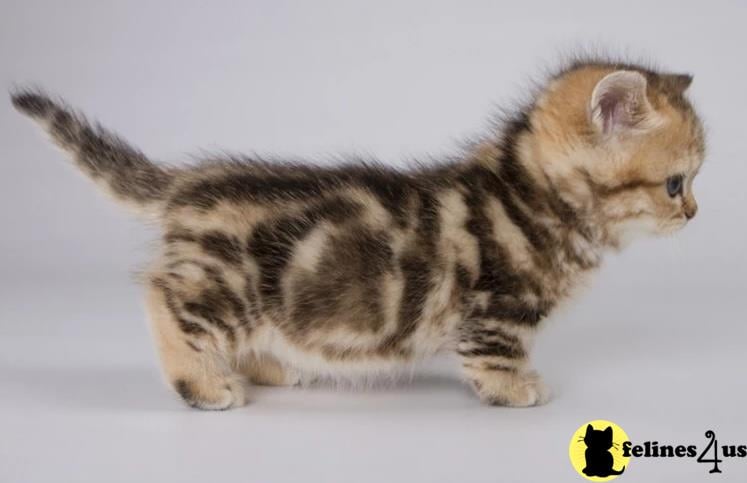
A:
{"x": 589, "y": 429}
{"x": 677, "y": 82}
{"x": 608, "y": 431}
{"x": 619, "y": 102}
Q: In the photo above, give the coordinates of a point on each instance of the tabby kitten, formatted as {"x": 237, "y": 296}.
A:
{"x": 277, "y": 273}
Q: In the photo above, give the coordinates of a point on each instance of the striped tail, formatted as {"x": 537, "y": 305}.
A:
{"x": 120, "y": 169}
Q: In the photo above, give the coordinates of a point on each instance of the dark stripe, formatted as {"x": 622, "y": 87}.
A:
{"x": 272, "y": 243}
{"x": 213, "y": 302}
{"x": 180, "y": 235}
{"x": 514, "y": 186}
{"x": 498, "y": 368}
{"x": 210, "y": 308}
{"x": 258, "y": 181}
{"x": 567, "y": 215}
{"x": 538, "y": 236}
{"x": 393, "y": 192}
{"x": 497, "y": 275}
{"x": 186, "y": 326}
{"x": 210, "y": 305}
{"x": 241, "y": 186}
{"x": 514, "y": 311}
{"x": 494, "y": 349}
{"x": 492, "y": 341}
{"x": 193, "y": 347}
{"x": 416, "y": 272}
{"x": 463, "y": 277}
{"x": 607, "y": 191}
{"x": 237, "y": 306}
{"x": 429, "y": 226}
{"x": 510, "y": 168}
{"x": 219, "y": 245}
{"x": 222, "y": 246}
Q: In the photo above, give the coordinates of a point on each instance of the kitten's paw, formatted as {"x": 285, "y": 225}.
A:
{"x": 287, "y": 377}
{"x": 512, "y": 388}
{"x": 218, "y": 395}
{"x": 267, "y": 371}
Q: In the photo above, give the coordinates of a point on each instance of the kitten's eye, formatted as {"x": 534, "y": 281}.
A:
{"x": 674, "y": 185}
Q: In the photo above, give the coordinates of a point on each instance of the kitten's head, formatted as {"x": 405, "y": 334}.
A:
{"x": 620, "y": 142}
{"x": 598, "y": 439}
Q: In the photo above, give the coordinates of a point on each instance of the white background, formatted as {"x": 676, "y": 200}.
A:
{"x": 656, "y": 344}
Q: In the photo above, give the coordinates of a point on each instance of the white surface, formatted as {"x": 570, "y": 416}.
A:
{"x": 656, "y": 344}
{"x": 82, "y": 401}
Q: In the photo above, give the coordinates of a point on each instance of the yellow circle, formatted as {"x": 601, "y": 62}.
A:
{"x": 596, "y": 450}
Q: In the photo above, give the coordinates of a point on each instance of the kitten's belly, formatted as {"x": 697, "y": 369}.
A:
{"x": 349, "y": 354}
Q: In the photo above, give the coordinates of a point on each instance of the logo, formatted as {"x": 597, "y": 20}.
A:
{"x": 601, "y": 451}
{"x": 596, "y": 450}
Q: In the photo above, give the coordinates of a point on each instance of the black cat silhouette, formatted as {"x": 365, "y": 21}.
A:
{"x": 599, "y": 460}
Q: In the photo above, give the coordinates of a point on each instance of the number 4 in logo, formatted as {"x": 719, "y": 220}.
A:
{"x": 713, "y": 444}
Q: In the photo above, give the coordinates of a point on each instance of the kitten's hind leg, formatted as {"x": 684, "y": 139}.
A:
{"x": 195, "y": 340}
{"x": 496, "y": 362}
{"x": 265, "y": 370}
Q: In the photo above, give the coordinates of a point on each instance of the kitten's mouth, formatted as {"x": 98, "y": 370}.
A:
{"x": 672, "y": 226}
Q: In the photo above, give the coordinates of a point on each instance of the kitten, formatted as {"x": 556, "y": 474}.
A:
{"x": 276, "y": 273}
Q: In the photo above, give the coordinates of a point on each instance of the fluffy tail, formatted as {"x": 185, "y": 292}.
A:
{"x": 120, "y": 169}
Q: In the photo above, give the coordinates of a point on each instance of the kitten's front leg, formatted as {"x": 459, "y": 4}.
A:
{"x": 495, "y": 358}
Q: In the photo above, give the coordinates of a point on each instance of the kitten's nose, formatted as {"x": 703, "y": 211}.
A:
{"x": 690, "y": 210}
